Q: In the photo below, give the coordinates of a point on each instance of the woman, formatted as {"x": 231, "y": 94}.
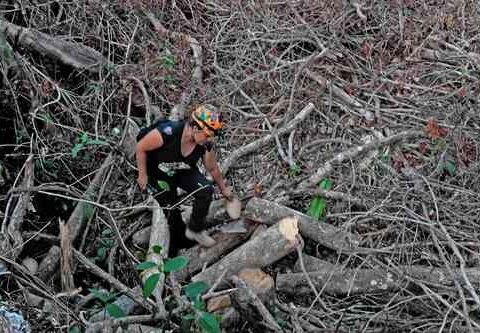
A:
{"x": 167, "y": 158}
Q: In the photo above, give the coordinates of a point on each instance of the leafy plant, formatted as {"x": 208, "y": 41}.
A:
{"x": 206, "y": 321}
{"x": 169, "y": 265}
{"x": 168, "y": 62}
{"x": 106, "y": 243}
{"x": 84, "y": 141}
{"x": 107, "y": 300}
{"x": 318, "y": 205}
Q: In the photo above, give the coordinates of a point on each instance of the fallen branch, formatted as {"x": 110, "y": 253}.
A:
{"x": 251, "y": 308}
{"x": 94, "y": 269}
{"x": 268, "y": 212}
{"x": 160, "y": 236}
{"x": 81, "y": 214}
{"x": 271, "y": 245}
{"x": 340, "y": 281}
{"x": 253, "y": 146}
{"x": 70, "y": 53}
{"x": 198, "y": 256}
{"x": 11, "y": 244}
{"x": 352, "y": 153}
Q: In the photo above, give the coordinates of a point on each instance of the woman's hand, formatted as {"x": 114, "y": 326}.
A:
{"x": 227, "y": 193}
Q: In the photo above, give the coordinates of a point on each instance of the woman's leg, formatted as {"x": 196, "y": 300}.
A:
{"x": 194, "y": 182}
{"x": 167, "y": 199}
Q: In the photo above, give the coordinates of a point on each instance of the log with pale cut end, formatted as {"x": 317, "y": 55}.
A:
{"x": 271, "y": 245}
{"x": 269, "y": 212}
{"x": 251, "y": 308}
{"x": 337, "y": 280}
{"x": 198, "y": 256}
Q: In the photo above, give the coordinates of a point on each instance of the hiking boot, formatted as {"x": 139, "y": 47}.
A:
{"x": 201, "y": 238}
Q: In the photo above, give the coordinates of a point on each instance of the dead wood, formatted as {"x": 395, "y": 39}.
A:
{"x": 66, "y": 259}
{"x": 354, "y": 152}
{"x": 70, "y": 53}
{"x": 273, "y": 244}
{"x": 253, "y": 146}
{"x": 160, "y": 236}
{"x": 94, "y": 269}
{"x": 340, "y": 281}
{"x": 269, "y": 212}
{"x": 82, "y": 213}
{"x": 199, "y": 256}
{"x": 251, "y": 308}
{"x": 178, "y": 111}
{"x": 11, "y": 243}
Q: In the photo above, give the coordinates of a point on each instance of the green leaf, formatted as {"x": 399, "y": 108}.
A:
{"x": 163, "y": 185}
{"x": 188, "y": 317}
{"x": 74, "y": 151}
{"x": 96, "y": 142}
{"x": 101, "y": 253}
{"x": 194, "y": 289}
{"x": 199, "y": 304}
{"x": 100, "y": 295}
{"x": 317, "y": 208}
{"x": 157, "y": 249}
{"x": 326, "y": 184}
{"x": 145, "y": 265}
{"x": 74, "y": 329}
{"x": 84, "y": 137}
{"x": 115, "y": 311}
{"x": 168, "y": 62}
{"x": 150, "y": 285}
{"x": 208, "y": 323}
{"x": 175, "y": 264}
{"x": 450, "y": 167}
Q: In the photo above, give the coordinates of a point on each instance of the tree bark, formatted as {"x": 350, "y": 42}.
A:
{"x": 269, "y": 212}
{"x": 74, "y": 54}
{"x": 198, "y": 256}
{"x": 273, "y": 244}
{"x": 340, "y": 281}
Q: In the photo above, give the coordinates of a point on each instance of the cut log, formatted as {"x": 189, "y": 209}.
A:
{"x": 260, "y": 283}
{"x": 49, "y": 263}
{"x": 218, "y": 303}
{"x": 160, "y": 236}
{"x": 80, "y": 216}
{"x": 198, "y": 256}
{"x": 251, "y": 308}
{"x": 269, "y": 212}
{"x": 312, "y": 264}
{"x": 341, "y": 281}
{"x": 268, "y": 247}
{"x": 70, "y": 53}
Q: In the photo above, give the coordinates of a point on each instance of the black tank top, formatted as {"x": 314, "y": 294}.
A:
{"x": 171, "y": 152}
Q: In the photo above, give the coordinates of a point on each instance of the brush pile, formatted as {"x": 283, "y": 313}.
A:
{"x": 352, "y": 142}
